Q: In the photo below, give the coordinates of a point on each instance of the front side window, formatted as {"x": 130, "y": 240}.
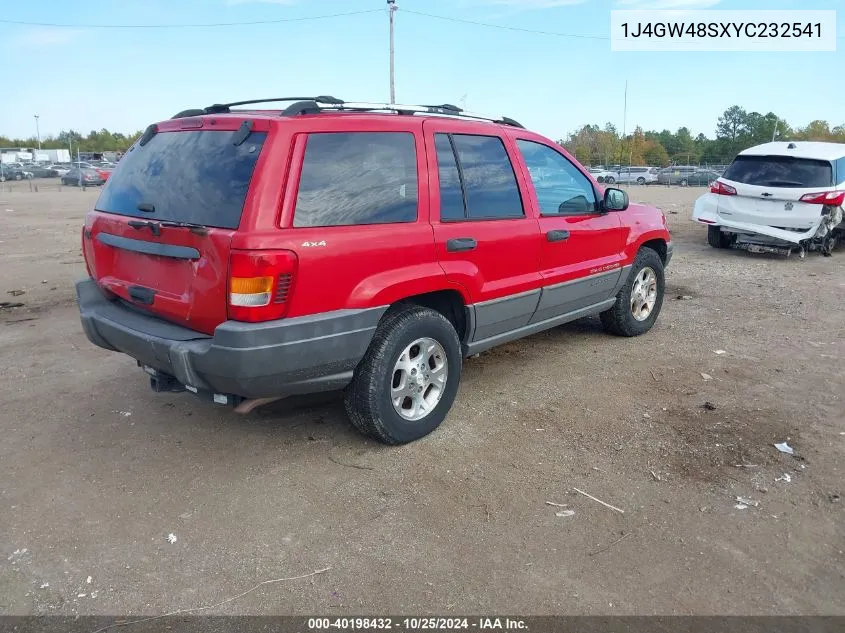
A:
{"x": 561, "y": 188}
{"x": 353, "y": 178}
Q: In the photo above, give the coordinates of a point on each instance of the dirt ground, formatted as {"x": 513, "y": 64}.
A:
{"x": 96, "y": 470}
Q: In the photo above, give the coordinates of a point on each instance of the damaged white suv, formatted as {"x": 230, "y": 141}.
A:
{"x": 778, "y": 197}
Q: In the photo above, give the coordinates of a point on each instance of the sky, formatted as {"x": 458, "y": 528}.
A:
{"x": 123, "y": 79}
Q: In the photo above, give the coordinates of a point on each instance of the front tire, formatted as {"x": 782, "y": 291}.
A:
{"x": 406, "y": 383}
{"x": 610, "y": 180}
{"x": 640, "y": 180}
{"x": 639, "y": 301}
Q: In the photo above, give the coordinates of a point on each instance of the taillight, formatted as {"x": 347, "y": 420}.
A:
{"x": 721, "y": 189}
{"x": 829, "y": 198}
{"x": 260, "y": 284}
{"x": 87, "y": 252}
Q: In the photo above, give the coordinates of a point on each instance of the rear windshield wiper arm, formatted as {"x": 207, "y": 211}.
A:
{"x": 146, "y": 207}
{"x": 199, "y": 229}
{"x": 141, "y": 224}
{"x": 784, "y": 183}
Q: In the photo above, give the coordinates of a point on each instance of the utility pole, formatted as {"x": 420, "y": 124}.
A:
{"x": 624, "y": 125}
{"x": 391, "y": 9}
{"x": 38, "y": 132}
{"x": 775, "y": 133}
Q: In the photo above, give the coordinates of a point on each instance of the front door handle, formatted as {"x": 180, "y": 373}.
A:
{"x": 459, "y": 244}
{"x": 557, "y": 236}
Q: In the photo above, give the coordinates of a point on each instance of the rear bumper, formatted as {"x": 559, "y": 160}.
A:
{"x": 261, "y": 360}
{"x": 705, "y": 211}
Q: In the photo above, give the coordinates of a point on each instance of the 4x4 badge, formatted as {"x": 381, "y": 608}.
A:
{"x": 320, "y": 243}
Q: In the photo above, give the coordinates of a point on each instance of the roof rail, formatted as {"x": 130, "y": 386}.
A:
{"x": 324, "y": 103}
{"x": 223, "y": 108}
{"x": 313, "y": 106}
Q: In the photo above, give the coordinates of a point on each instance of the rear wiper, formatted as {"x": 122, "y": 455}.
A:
{"x": 146, "y": 207}
{"x": 141, "y": 224}
{"x": 784, "y": 183}
{"x": 199, "y": 229}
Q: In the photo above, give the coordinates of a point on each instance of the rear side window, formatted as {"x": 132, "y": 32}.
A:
{"x": 357, "y": 178}
{"x": 486, "y": 178}
{"x": 780, "y": 171}
{"x": 451, "y": 192}
{"x": 200, "y": 177}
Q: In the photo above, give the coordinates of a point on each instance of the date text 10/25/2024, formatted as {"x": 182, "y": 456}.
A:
{"x": 417, "y": 624}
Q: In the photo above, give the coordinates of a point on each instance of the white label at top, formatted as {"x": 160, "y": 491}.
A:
{"x": 716, "y": 30}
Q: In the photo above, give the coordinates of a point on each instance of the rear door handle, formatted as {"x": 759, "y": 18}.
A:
{"x": 459, "y": 244}
{"x": 557, "y": 236}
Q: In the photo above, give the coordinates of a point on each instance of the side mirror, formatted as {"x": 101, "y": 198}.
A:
{"x": 615, "y": 199}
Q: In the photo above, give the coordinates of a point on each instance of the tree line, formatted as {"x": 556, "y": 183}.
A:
{"x": 736, "y": 130}
{"x": 102, "y": 141}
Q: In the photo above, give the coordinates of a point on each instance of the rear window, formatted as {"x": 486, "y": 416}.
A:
{"x": 200, "y": 177}
{"x": 357, "y": 178}
{"x": 780, "y": 171}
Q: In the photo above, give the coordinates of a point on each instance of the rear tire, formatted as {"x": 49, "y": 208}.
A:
{"x": 716, "y": 238}
{"x": 626, "y": 318}
{"x": 610, "y": 180}
{"x": 640, "y": 180}
{"x": 371, "y": 399}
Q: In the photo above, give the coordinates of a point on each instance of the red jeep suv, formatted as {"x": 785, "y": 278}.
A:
{"x": 246, "y": 255}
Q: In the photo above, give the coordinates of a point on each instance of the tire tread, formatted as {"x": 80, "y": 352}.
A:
{"x": 361, "y": 395}
{"x": 618, "y": 319}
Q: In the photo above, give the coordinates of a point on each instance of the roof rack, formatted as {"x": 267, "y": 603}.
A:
{"x": 313, "y": 106}
{"x": 325, "y": 103}
{"x": 223, "y": 108}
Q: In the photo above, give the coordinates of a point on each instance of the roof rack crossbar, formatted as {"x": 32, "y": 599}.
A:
{"x": 220, "y": 108}
{"x": 444, "y": 110}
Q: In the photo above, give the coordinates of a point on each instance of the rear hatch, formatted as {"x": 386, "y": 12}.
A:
{"x": 769, "y": 190}
{"x": 160, "y": 234}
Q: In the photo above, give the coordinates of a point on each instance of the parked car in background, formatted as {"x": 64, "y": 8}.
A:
{"x": 675, "y": 174}
{"x": 104, "y": 172}
{"x": 700, "y": 178}
{"x": 86, "y": 177}
{"x": 603, "y": 175}
{"x": 43, "y": 171}
{"x": 777, "y": 197}
{"x": 9, "y": 172}
{"x": 60, "y": 169}
{"x": 82, "y": 164}
{"x": 638, "y": 175}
